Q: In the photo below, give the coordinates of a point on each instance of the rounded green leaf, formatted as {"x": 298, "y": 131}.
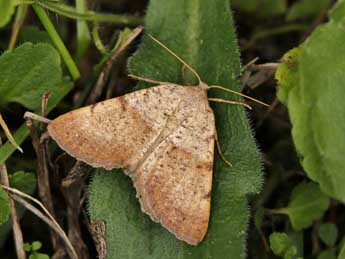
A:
{"x": 38, "y": 256}
{"x": 7, "y": 8}
{"x": 307, "y": 203}
{"x": 328, "y": 233}
{"x": 27, "y": 73}
{"x": 311, "y": 83}
{"x": 279, "y": 243}
{"x": 27, "y": 247}
{"x": 36, "y": 245}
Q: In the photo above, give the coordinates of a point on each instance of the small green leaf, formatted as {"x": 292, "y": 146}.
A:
{"x": 328, "y": 254}
{"x": 280, "y": 243}
{"x": 27, "y": 247}
{"x": 38, "y": 256}
{"x": 307, "y": 203}
{"x": 36, "y": 245}
{"x": 328, "y": 233}
{"x": 311, "y": 81}
{"x": 24, "y": 181}
{"x": 7, "y": 8}
{"x": 290, "y": 252}
{"x": 306, "y": 8}
{"x": 27, "y": 73}
{"x": 4, "y": 206}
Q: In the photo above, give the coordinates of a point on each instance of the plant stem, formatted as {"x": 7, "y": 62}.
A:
{"x": 71, "y": 12}
{"x": 20, "y": 17}
{"x": 48, "y": 25}
{"x": 17, "y": 232}
{"x": 83, "y": 34}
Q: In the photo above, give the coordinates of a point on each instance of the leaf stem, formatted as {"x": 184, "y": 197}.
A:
{"x": 48, "y": 25}
{"x": 20, "y": 17}
{"x": 71, "y": 12}
{"x": 284, "y": 211}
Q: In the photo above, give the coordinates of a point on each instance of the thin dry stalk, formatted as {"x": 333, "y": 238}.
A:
{"x": 48, "y": 218}
{"x": 104, "y": 75}
{"x": 43, "y": 182}
{"x": 17, "y": 232}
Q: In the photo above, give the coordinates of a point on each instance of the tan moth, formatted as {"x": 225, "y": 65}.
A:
{"x": 163, "y": 137}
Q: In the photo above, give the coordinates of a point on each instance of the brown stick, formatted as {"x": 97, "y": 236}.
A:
{"x": 72, "y": 188}
{"x": 43, "y": 182}
{"x": 17, "y": 232}
{"x": 104, "y": 75}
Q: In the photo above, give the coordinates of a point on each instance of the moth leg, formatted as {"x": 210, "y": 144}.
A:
{"x": 139, "y": 78}
{"x": 183, "y": 72}
{"x": 220, "y": 150}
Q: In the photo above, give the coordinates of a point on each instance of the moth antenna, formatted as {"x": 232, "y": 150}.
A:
{"x": 237, "y": 93}
{"x": 177, "y": 57}
{"x": 219, "y": 100}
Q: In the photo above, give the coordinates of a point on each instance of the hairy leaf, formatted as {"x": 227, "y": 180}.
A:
{"x": 201, "y": 32}
{"x": 311, "y": 81}
{"x": 4, "y": 206}
{"x": 328, "y": 233}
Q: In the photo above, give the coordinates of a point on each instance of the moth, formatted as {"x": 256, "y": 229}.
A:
{"x": 164, "y": 139}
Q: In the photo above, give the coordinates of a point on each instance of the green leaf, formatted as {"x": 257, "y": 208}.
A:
{"x": 263, "y": 8}
{"x": 61, "y": 90}
{"x": 306, "y": 8}
{"x": 311, "y": 83}
{"x": 24, "y": 181}
{"x": 307, "y": 203}
{"x": 4, "y": 206}
{"x": 204, "y": 36}
{"x": 38, "y": 256}
{"x": 328, "y": 233}
{"x": 36, "y": 245}
{"x": 338, "y": 11}
{"x": 7, "y": 8}
{"x": 279, "y": 243}
{"x": 33, "y": 34}
{"x": 327, "y": 254}
{"x": 290, "y": 252}
{"x": 27, "y": 247}
{"x": 27, "y": 73}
